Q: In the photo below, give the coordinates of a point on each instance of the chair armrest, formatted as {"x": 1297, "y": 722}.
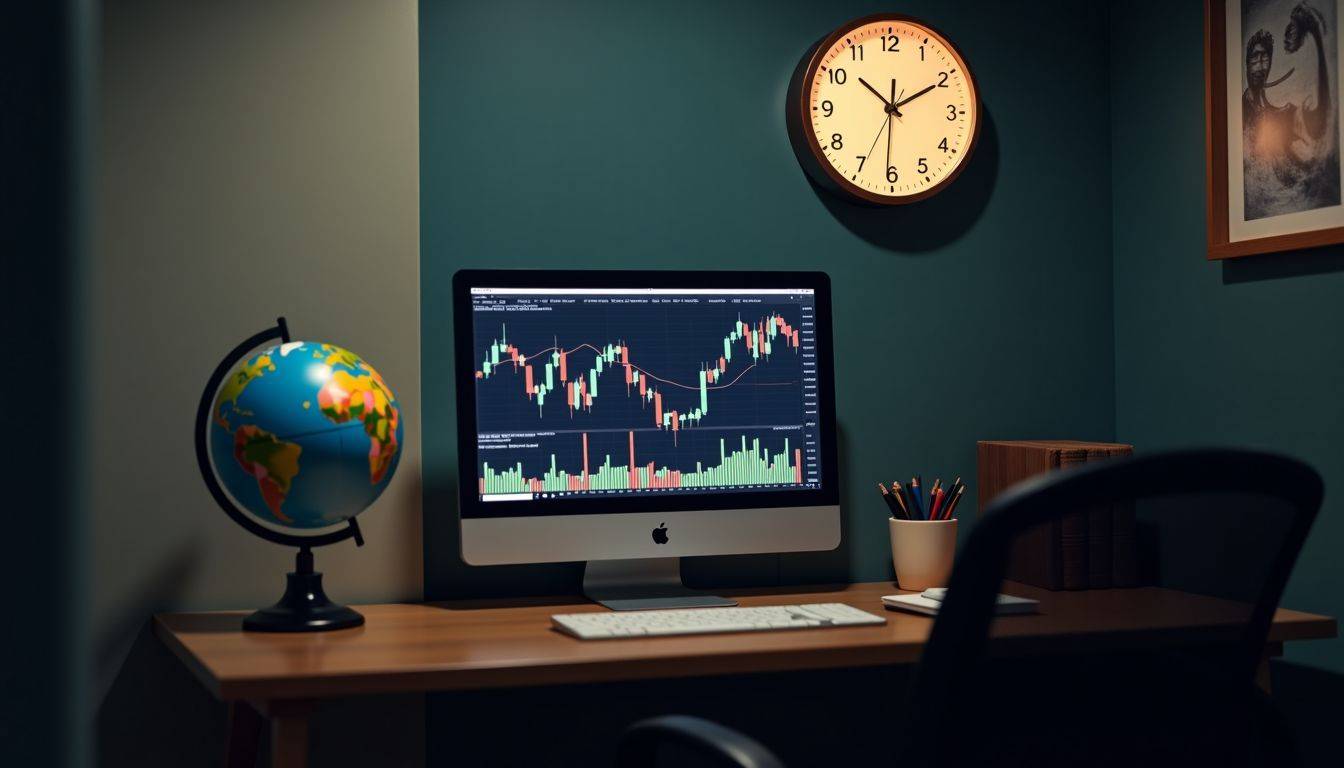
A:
{"x": 639, "y": 744}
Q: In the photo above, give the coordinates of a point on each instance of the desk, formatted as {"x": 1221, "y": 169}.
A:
{"x": 509, "y": 643}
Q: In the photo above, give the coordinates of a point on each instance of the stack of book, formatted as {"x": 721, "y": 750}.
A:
{"x": 1087, "y": 549}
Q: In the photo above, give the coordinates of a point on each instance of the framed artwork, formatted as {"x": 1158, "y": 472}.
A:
{"x": 1272, "y": 124}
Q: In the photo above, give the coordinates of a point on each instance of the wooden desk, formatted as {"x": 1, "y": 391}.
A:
{"x": 489, "y": 644}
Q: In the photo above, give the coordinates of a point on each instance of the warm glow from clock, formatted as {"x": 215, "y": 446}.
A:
{"x": 893, "y": 109}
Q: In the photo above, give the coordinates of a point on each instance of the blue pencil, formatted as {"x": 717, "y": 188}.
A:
{"x": 917, "y": 495}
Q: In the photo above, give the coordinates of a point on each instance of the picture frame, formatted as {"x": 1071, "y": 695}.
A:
{"x": 1275, "y": 184}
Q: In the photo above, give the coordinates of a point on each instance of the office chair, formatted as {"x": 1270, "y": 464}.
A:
{"x": 967, "y": 706}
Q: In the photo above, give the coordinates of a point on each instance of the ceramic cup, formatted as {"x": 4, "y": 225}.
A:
{"x": 921, "y": 552}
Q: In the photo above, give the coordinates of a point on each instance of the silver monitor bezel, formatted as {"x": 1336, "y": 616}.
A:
{"x": 787, "y": 521}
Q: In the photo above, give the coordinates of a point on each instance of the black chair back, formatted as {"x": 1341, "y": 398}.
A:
{"x": 952, "y": 659}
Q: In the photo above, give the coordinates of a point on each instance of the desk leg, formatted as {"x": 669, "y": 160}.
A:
{"x": 289, "y": 733}
{"x": 244, "y": 736}
{"x": 1262, "y": 678}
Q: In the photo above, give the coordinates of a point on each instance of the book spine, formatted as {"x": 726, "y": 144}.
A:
{"x": 1050, "y": 535}
{"x": 999, "y": 464}
{"x": 1072, "y": 541}
{"x": 1100, "y": 546}
{"x": 1124, "y": 536}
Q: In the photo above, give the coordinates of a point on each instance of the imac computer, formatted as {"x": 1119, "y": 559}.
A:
{"x": 629, "y": 419}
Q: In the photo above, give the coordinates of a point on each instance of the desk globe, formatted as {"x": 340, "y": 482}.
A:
{"x": 302, "y": 437}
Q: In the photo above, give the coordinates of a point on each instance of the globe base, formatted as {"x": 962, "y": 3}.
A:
{"x": 304, "y": 606}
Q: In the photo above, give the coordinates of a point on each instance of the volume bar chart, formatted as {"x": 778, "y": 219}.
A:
{"x": 744, "y": 466}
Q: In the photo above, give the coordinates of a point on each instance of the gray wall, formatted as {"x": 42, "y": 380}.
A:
{"x": 257, "y": 158}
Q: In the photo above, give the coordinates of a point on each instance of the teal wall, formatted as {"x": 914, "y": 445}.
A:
{"x": 1247, "y": 352}
{"x": 613, "y": 135}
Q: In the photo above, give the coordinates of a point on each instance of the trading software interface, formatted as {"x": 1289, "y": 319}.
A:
{"x": 632, "y": 391}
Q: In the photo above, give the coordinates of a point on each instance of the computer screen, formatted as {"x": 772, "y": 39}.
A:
{"x": 644, "y": 393}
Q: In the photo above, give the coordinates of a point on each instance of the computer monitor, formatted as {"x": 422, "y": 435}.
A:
{"x": 631, "y": 418}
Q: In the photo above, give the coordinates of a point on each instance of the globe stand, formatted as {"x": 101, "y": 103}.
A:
{"x": 304, "y": 607}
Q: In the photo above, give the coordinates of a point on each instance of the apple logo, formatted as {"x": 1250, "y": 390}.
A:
{"x": 660, "y": 534}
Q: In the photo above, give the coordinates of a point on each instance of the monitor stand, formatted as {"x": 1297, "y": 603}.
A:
{"x": 641, "y": 585}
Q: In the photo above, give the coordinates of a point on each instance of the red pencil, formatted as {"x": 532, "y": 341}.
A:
{"x": 952, "y": 503}
{"x": 937, "y": 503}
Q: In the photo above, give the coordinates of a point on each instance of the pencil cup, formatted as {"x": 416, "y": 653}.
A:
{"x": 921, "y": 552}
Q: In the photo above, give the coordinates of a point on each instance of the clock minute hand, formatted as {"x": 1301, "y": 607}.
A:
{"x": 914, "y": 96}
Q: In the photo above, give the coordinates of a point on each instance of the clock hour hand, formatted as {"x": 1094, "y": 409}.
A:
{"x": 914, "y": 96}
{"x": 891, "y": 108}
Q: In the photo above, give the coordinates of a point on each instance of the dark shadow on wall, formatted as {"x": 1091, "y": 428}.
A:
{"x": 164, "y": 587}
{"x": 157, "y": 714}
{"x": 935, "y": 221}
{"x": 1274, "y": 266}
{"x": 150, "y": 711}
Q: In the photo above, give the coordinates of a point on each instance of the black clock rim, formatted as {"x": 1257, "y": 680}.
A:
{"x": 815, "y": 163}
{"x": 280, "y": 332}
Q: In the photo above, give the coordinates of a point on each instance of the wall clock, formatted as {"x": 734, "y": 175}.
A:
{"x": 883, "y": 110}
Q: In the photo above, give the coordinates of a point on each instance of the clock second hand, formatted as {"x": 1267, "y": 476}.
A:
{"x": 886, "y": 123}
{"x": 893, "y": 101}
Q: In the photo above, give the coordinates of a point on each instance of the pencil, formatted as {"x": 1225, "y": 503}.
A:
{"x": 952, "y": 491}
{"x": 886, "y": 498}
{"x": 896, "y": 511}
{"x": 904, "y": 500}
{"x": 952, "y": 505}
{"x": 900, "y": 501}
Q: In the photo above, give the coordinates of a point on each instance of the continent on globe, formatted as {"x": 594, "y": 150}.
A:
{"x": 235, "y": 384}
{"x": 365, "y": 398}
{"x": 272, "y": 461}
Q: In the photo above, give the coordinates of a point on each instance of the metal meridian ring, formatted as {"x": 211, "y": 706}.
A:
{"x": 280, "y": 332}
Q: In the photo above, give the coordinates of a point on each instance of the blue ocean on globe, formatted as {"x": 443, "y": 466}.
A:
{"x": 305, "y": 435}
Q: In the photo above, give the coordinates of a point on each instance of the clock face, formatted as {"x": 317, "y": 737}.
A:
{"x": 889, "y": 110}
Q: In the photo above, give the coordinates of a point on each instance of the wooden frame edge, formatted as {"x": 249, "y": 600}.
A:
{"x": 1218, "y": 244}
{"x": 1215, "y": 129}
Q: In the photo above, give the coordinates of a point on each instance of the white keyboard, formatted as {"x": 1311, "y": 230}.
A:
{"x": 696, "y": 621}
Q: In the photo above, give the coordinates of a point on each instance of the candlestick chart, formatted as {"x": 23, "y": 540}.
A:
{"x": 676, "y": 392}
